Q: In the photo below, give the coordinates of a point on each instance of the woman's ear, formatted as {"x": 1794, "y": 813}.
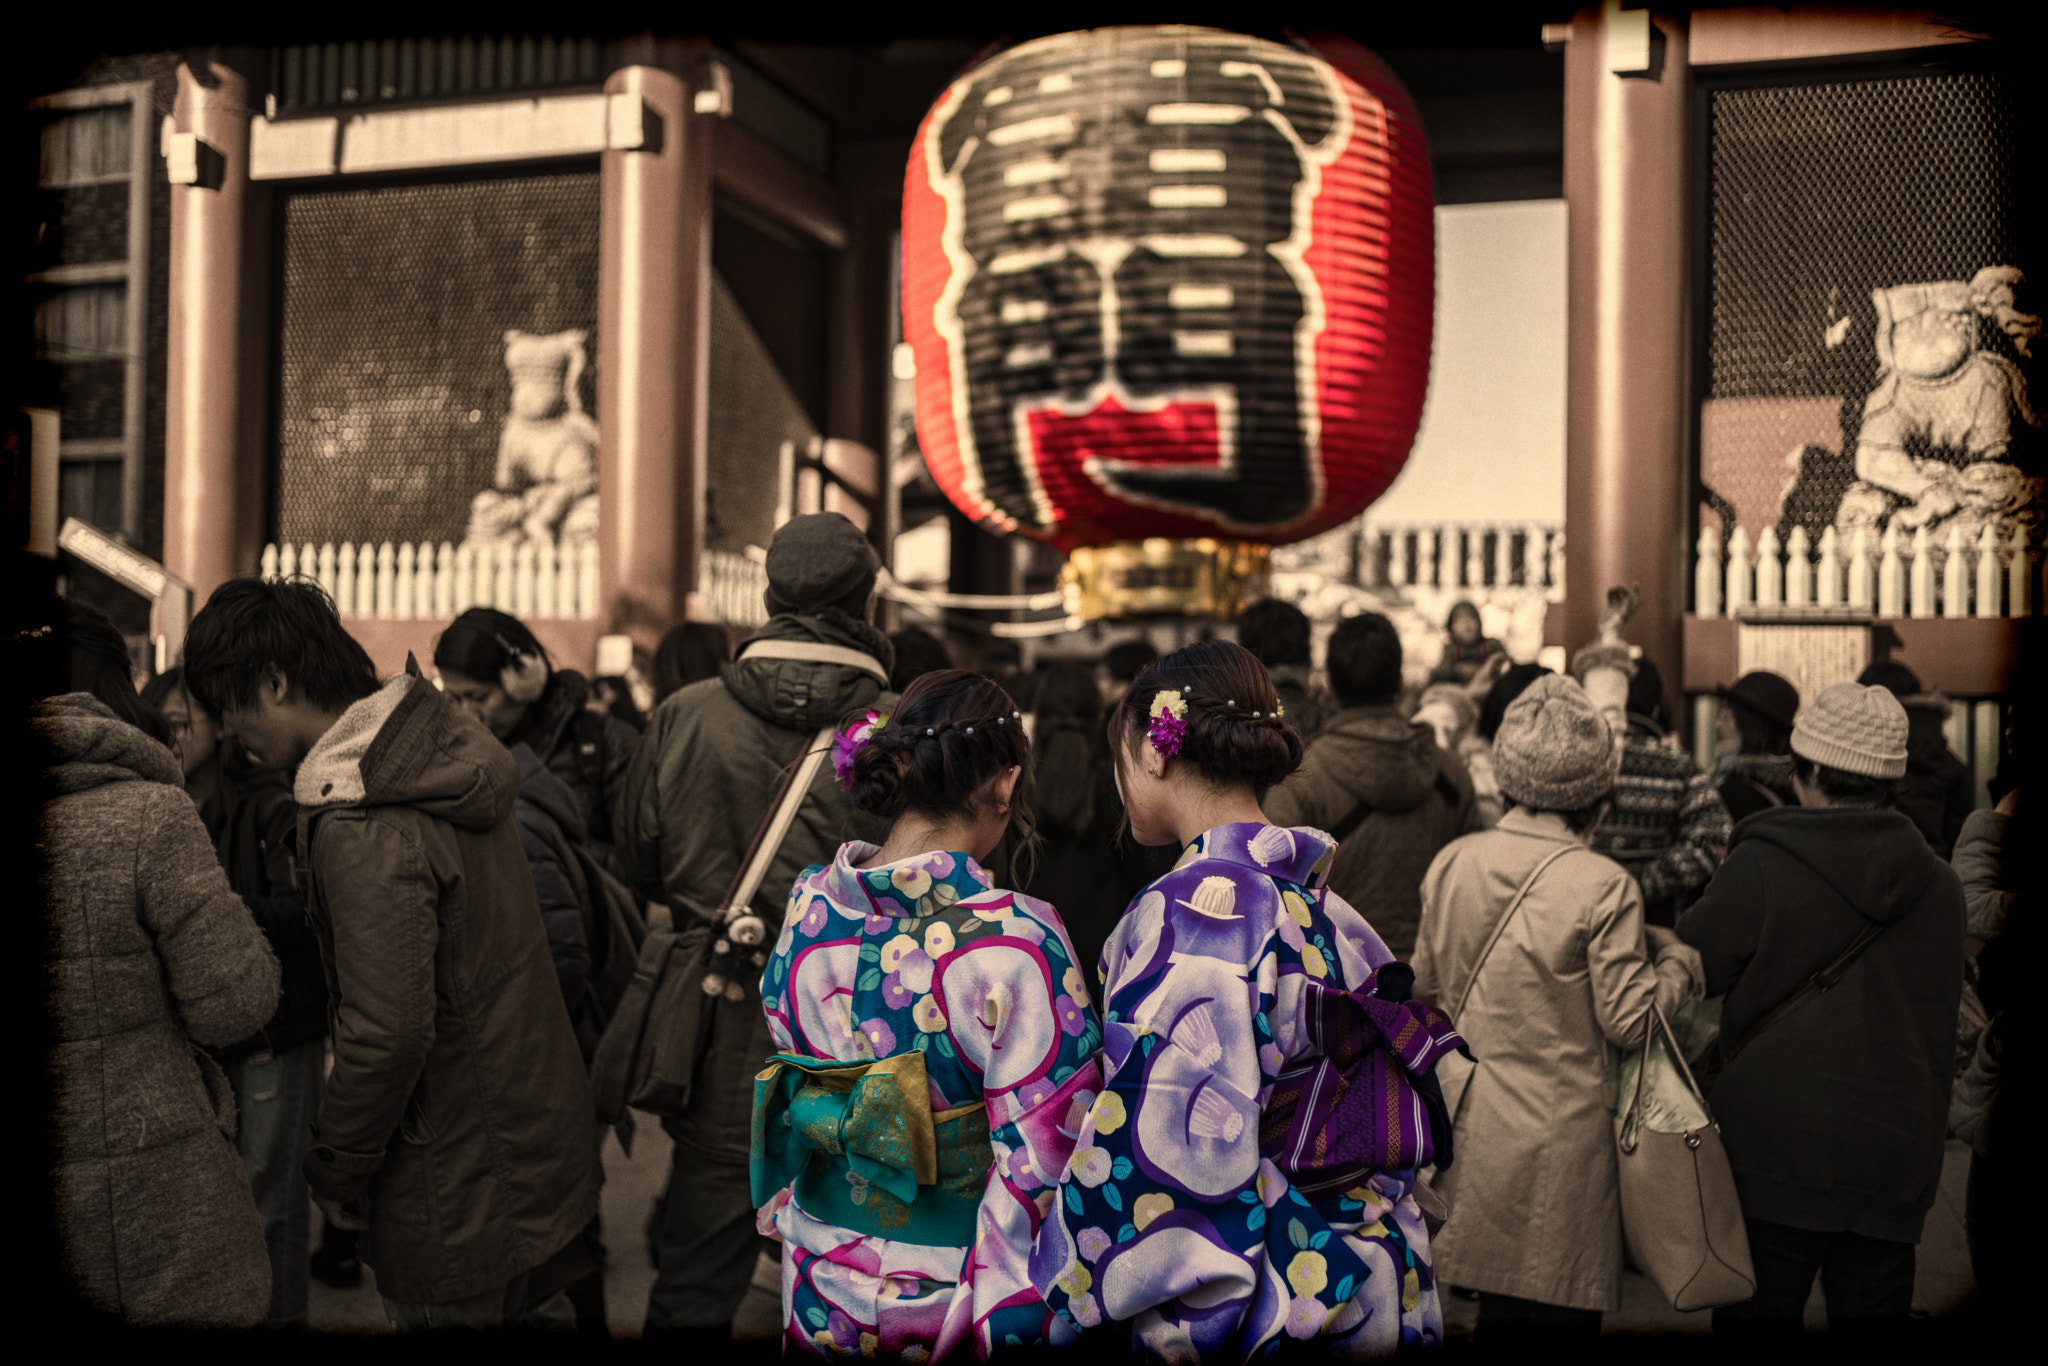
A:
{"x": 1005, "y": 786}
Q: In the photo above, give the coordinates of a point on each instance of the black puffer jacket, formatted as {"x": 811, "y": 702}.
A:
{"x": 1834, "y": 1117}
{"x": 255, "y": 831}
{"x": 549, "y": 825}
{"x": 587, "y": 750}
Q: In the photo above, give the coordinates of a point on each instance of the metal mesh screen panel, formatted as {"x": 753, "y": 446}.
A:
{"x": 396, "y": 305}
{"x": 1854, "y": 231}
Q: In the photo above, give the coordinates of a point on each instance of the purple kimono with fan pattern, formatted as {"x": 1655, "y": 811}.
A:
{"x": 1168, "y": 1214}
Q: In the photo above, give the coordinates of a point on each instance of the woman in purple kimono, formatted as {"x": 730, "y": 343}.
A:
{"x": 1218, "y": 1199}
{"x": 938, "y": 1051}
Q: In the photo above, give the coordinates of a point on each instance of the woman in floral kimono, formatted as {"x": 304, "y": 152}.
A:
{"x": 1215, "y": 1200}
{"x": 937, "y": 1051}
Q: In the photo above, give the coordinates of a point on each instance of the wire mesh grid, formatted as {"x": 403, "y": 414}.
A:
{"x": 1855, "y": 234}
{"x": 397, "y": 300}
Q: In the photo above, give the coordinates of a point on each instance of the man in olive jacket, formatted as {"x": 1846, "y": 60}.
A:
{"x": 456, "y": 1127}
{"x": 1379, "y": 782}
{"x": 709, "y": 766}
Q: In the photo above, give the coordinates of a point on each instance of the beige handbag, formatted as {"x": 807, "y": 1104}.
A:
{"x": 1679, "y": 1209}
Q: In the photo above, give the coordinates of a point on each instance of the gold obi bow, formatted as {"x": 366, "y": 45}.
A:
{"x": 874, "y": 1122}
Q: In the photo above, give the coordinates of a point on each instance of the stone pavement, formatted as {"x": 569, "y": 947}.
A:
{"x": 1942, "y": 1285}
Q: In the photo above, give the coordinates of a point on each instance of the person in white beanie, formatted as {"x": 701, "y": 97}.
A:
{"x": 1836, "y": 935}
{"x": 1535, "y": 1224}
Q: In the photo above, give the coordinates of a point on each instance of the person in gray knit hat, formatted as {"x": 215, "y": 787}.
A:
{"x": 1571, "y": 978}
{"x": 707, "y": 771}
{"x": 1834, "y": 1113}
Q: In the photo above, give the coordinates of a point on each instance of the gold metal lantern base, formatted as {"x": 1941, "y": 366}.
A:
{"x": 1164, "y": 577}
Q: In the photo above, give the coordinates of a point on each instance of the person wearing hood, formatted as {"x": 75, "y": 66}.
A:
{"x": 1757, "y": 724}
{"x": 150, "y": 958}
{"x": 1537, "y": 946}
{"x": 492, "y": 666}
{"x": 1935, "y": 793}
{"x": 1379, "y": 783}
{"x": 1834, "y": 1115}
{"x": 456, "y": 1128}
{"x": 707, "y": 771}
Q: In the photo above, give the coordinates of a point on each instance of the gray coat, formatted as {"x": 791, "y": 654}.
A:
{"x": 151, "y": 955}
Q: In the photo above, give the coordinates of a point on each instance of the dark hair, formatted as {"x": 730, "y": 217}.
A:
{"x": 689, "y": 652}
{"x": 1504, "y": 691}
{"x": 1896, "y": 679}
{"x": 1852, "y": 789}
{"x": 1464, "y": 609}
{"x": 1222, "y": 685}
{"x": 1275, "y": 631}
{"x": 951, "y": 733}
{"x": 1067, "y": 692}
{"x": 1646, "y": 693}
{"x": 1128, "y": 658}
{"x": 1760, "y": 734}
{"x": 620, "y": 705}
{"x": 96, "y": 662}
{"x": 918, "y": 652}
{"x": 479, "y": 644}
{"x": 1364, "y": 660}
{"x": 249, "y": 625}
{"x": 158, "y": 690}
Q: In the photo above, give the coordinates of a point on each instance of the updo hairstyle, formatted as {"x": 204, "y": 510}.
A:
{"x": 1235, "y": 733}
{"x": 949, "y": 735}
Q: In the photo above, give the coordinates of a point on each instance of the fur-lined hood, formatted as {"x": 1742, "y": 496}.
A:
{"x": 407, "y": 745}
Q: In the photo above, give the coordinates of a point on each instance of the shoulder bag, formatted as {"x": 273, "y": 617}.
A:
{"x": 648, "y": 1056}
{"x": 1679, "y": 1208}
{"x": 1455, "y": 1070}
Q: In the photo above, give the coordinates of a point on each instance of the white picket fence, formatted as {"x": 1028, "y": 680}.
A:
{"x": 1463, "y": 555}
{"x": 1897, "y": 576}
{"x": 406, "y": 581}
{"x": 734, "y": 583}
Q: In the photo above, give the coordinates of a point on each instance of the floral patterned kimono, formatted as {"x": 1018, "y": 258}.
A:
{"x": 938, "y": 1055}
{"x": 1169, "y": 1215}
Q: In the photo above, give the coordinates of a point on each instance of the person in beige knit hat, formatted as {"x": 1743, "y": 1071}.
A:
{"x": 1834, "y": 1113}
{"x": 1535, "y": 1223}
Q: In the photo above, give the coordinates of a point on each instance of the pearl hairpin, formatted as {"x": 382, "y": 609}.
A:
{"x": 928, "y": 730}
{"x": 970, "y": 730}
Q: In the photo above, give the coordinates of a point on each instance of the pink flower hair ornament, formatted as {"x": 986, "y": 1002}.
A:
{"x": 1169, "y": 724}
{"x": 848, "y": 744}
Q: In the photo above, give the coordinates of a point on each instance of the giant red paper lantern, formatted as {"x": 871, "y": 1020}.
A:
{"x": 1169, "y": 284}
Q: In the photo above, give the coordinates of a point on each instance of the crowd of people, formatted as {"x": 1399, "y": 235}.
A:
{"x": 1101, "y": 1003}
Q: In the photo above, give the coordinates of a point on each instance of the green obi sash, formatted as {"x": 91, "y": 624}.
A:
{"x": 864, "y": 1151}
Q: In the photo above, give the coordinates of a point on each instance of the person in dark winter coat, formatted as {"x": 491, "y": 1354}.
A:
{"x": 1277, "y": 634}
{"x": 1667, "y": 825}
{"x": 549, "y": 825}
{"x": 150, "y": 956}
{"x": 689, "y": 652}
{"x": 1078, "y": 813}
{"x": 1936, "y": 793}
{"x": 456, "y": 1127}
{"x": 706, "y": 774}
{"x": 492, "y": 667}
{"x": 1378, "y": 782}
{"x": 1757, "y": 718}
{"x": 253, "y": 822}
{"x": 918, "y": 652}
{"x": 1834, "y": 1116}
